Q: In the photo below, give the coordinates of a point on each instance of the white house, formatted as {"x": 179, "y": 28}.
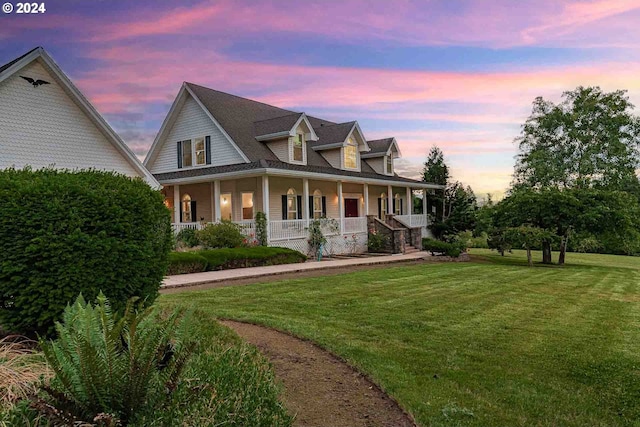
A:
{"x": 220, "y": 156}
{"x": 45, "y": 121}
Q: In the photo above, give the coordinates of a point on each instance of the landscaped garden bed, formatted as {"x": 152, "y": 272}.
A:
{"x": 229, "y": 258}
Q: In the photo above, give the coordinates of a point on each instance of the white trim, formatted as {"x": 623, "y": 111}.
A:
{"x": 87, "y": 108}
{"x": 328, "y": 146}
{"x": 270, "y": 136}
{"x": 386, "y": 153}
{"x": 312, "y": 134}
{"x": 291, "y": 142}
{"x": 298, "y": 174}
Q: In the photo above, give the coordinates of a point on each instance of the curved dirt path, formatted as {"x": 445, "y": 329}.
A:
{"x": 319, "y": 388}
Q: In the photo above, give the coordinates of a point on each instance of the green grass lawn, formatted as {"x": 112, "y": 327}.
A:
{"x": 486, "y": 343}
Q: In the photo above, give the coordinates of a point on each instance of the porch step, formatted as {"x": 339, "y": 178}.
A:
{"x": 410, "y": 249}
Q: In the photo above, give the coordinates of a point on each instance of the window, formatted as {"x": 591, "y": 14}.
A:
{"x": 247, "y": 205}
{"x": 298, "y": 143}
{"x": 389, "y": 165}
{"x": 292, "y": 204}
{"x": 186, "y": 208}
{"x": 200, "y": 153}
{"x": 186, "y": 153}
{"x": 397, "y": 205}
{"x": 226, "y": 208}
{"x": 350, "y": 156}
{"x": 383, "y": 205}
{"x": 317, "y": 204}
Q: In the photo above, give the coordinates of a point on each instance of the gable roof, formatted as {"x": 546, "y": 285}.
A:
{"x": 333, "y": 134}
{"x": 276, "y": 125}
{"x": 39, "y": 54}
{"x": 381, "y": 147}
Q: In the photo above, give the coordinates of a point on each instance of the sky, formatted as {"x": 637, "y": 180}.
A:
{"x": 459, "y": 74}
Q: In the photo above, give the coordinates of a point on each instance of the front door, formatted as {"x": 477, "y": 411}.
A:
{"x": 350, "y": 208}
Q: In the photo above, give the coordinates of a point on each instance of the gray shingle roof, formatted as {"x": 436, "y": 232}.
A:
{"x": 10, "y": 63}
{"x": 278, "y": 124}
{"x": 332, "y": 133}
{"x": 379, "y": 145}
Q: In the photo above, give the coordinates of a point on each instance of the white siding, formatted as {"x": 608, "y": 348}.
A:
{"x": 192, "y": 122}
{"x": 42, "y": 126}
{"x": 280, "y": 148}
{"x": 377, "y": 163}
{"x": 333, "y": 157}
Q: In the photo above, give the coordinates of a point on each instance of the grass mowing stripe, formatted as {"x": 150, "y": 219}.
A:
{"x": 488, "y": 343}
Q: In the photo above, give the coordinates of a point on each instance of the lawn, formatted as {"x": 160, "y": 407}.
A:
{"x": 487, "y": 343}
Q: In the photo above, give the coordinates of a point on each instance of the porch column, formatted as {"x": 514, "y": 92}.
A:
{"x": 424, "y": 207}
{"x": 216, "y": 201}
{"x": 341, "y": 206}
{"x": 305, "y": 200}
{"x": 176, "y": 204}
{"x": 365, "y": 188}
{"x": 409, "y": 204}
{"x": 265, "y": 202}
{"x": 213, "y": 202}
{"x": 390, "y": 200}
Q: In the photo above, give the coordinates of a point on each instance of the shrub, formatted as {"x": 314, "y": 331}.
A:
{"x": 65, "y": 233}
{"x": 449, "y": 249}
{"x": 316, "y": 238}
{"x": 186, "y": 262}
{"x": 224, "y": 234}
{"x": 117, "y": 366}
{"x": 223, "y": 259}
{"x": 187, "y": 237}
{"x": 376, "y": 242}
{"x": 470, "y": 241}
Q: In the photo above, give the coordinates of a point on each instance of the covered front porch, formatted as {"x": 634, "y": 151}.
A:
{"x": 290, "y": 203}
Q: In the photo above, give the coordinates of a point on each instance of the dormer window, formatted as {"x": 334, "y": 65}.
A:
{"x": 389, "y": 165}
{"x": 298, "y": 144}
{"x": 350, "y": 160}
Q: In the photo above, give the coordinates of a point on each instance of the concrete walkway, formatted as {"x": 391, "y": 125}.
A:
{"x": 271, "y": 270}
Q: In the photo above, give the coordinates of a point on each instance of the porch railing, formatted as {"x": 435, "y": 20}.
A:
{"x": 288, "y": 229}
{"x": 354, "y": 225}
{"x": 412, "y": 220}
{"x": 178, "y": 227}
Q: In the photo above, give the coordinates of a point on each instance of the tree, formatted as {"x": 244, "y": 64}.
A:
{"x": 589, "y": 140}
{"x": 527, "y": 237}
{"x": 435, "y": 171}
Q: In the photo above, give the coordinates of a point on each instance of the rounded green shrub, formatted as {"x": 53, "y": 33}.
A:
{"x": 186, "y": 262}
{"x": 187, "y": 237}
{"x": 65, "y": 233}
{"x": 224, "y": 234}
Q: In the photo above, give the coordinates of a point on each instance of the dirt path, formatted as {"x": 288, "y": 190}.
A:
{"x": 318, "y": 387}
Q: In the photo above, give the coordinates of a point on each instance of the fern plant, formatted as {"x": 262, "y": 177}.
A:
{"x": 109, "y": 367}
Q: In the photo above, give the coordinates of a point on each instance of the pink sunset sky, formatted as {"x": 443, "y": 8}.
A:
{"x": 457, "y": 74}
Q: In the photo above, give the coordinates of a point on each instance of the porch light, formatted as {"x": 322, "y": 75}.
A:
{"x": 224, "y": 200}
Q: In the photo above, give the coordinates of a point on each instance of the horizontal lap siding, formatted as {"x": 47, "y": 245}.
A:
{"x": 42, "y": 126}
{"x": 201, "y": 194}
{"x": 192, "y": 122}
{"x": 377, "y": 163}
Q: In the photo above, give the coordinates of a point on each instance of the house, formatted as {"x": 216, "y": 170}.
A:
{"x": 45, "y": 121}
{"x": 221, "y": 156}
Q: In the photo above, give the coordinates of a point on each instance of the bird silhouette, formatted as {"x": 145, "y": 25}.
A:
{"x": 35, "y": 83}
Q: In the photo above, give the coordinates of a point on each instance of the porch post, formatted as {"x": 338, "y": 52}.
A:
{"x": 390, "y": 200}
{"x": 265, "y": 202}
{"x": 341, "y": 206}
{"x": 424, "y": 207}
{"x": 213, "y": 202}
{"x": 305, "y": 200}
{"x": 365, "y": 188}
{"x": 216, "y": 200}
{"x": 176, "y": 204}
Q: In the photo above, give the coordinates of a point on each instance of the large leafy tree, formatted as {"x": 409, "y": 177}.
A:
{"x": 591, "y": 139}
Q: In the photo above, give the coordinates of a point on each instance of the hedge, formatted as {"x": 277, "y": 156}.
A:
{"x": 64, "y": 233}
{"x": 437, "y": 246}
{"x": 229, "y": 258}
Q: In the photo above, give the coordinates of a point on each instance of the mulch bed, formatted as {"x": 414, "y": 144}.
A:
{"x": 318, "y": 387}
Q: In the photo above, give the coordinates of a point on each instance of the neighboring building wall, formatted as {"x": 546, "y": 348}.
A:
{"x": 42, "y": 126}
{"x": 377, "y": 163}
{"x": 192, "y": 122}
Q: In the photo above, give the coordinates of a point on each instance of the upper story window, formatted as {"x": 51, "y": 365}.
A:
{"x": 199, "y": 151}
{"x": 187, "y": 156}
{"x": 298, "y": 144}
{"x": 389, "y": 161}
{"x": 351, "y": 155}
{"x": 194, "y": 152}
